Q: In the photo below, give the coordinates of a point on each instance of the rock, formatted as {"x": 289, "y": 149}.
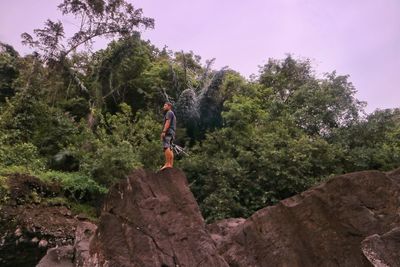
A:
{"x": 18, "y": 232}
{"x": 383, "y": 250}
{"x": 323, "y": 226}
{"x": 83, "y": 235}
{"x": 25, "y": 188}
{"x": 70, "y": 256}
{"x": 395, "y": 174}
{"x": 152, "y": 220}
{"x": 58, "y": 257}
{"x": 43, "y": 243}
{"x": 221, "y": 230}
{"x": 23, "y": 223}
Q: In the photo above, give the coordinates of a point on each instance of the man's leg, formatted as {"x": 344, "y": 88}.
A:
{"x": 166, "y": 156}
{"x": 172, "y": 152}
{"x": 169, "y": 154}
{"x": 170, "y": 157}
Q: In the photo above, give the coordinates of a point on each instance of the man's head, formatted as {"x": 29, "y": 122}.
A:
{"x": 167, "y": 106}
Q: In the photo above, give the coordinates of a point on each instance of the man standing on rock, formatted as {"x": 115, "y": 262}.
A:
{"x": 168, "y": 135}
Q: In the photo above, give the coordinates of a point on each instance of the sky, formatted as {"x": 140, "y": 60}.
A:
{"x": 360, "y": 38}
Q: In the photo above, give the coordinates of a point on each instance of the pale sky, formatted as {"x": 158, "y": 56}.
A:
{"x": 356, "y": 37}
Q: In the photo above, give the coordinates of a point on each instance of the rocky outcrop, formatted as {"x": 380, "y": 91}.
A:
{"x": 152, "y": 219}
{"x": 35, "y": 218}
{"x": 29, "y": 230}
{"x": 383, "y": 251}
{"x": 29, "y": 225}
{"x": 323, "y": 226}
{"x": 70, "y": 256}
{"x": 58, "y": 256}
{"x": 84, "y": 234}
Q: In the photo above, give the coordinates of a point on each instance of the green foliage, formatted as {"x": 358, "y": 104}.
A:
{"x": 7, "y": 170}
{"x": 21, "y": 116}
{"x": 146, "y": 140}
{"x": 373, "y": 143}
{"x": 257, "y": 159}
{"x": 87, "y": 210}
{"x": 118, "y": 74}
{"x": 74, "y": 185}
{"x": 76, "y": 207}
{"x": 16, "y": 134}
{"x": 111, "y": 162}
{"x": 29, "y": 122}
{"x": 8, "y": 71}
{"x": 20, "y": 154}
{"x": 99, "y": 18}
{"x": 119, "y": 144}
{"x": 77, "y": 108}
{"x": 318, "y": 105}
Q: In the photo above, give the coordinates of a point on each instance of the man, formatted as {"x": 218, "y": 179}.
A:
{"x": 168, "y": 134}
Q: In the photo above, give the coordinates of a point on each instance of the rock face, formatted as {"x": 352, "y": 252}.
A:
{"x": 383, "y": 250}
{"x": 323, "y": 226}
{"x": 70, "y": 256}
{"x": 84, "y": 234}
{"x": 29, "y": 227}
{"x": 152, "y": 220}
{"x": 221, "y": 231}
{"x": 58, "y": 256}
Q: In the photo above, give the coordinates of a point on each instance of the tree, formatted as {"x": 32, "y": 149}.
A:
{"x": 258, "y": 158}
{"x": 285, "y": 76}
{"x": 8, "y": 71}
{"x": 100, "y": 18}
{"x": 372, "y": 143}
{"x": 318, "y": 105}
{"x": 117, "y": 74}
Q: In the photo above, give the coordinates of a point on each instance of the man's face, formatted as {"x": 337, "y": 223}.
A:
{"x": 166, "y": 107}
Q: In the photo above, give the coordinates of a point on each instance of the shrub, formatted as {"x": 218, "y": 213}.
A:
{"x": 75, "y": 185}
{"x": 20, "y": 154}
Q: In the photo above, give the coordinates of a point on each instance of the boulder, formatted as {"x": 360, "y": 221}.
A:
{"x": 83, "y": 235}
{"x": 383, "y": 250}
{"x": 58, "y": 256}
{"x": 152, "y": 219}
{"x": 323, "y": 226}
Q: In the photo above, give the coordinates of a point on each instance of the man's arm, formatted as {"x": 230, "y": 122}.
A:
{"x": 166, "y": 126}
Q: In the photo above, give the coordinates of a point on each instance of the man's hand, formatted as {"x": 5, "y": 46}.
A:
{"x": 162, "y": 135}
